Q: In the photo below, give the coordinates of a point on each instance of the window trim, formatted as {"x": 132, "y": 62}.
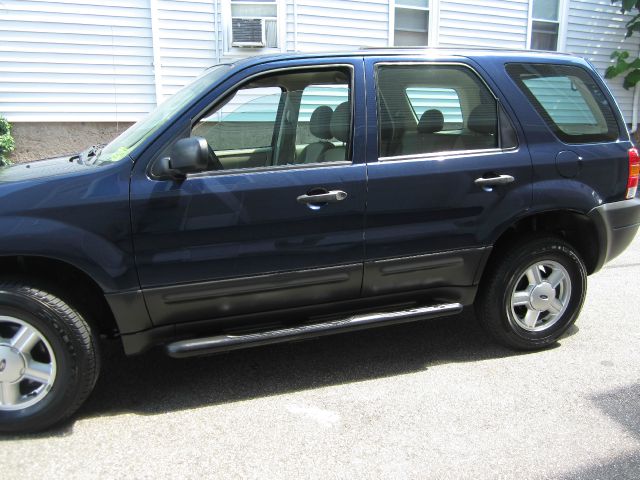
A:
{"x": 432, "y": 34}
{"x": 327, "y": 66}
{"x": 563, "y": 15}
{"x": 450, "y": 153}
{"x": 269, "y": 169}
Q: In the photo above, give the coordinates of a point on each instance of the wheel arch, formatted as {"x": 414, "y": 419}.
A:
{"x": 575, "y": 227}
{"x": 68, "y": 282}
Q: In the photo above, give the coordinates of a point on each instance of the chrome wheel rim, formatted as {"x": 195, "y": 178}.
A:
{"x": 27, "y": 364}
{"x": 540, "y": 296}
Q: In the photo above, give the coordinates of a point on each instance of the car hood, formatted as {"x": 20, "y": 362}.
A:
{"x": 41, "y": 169}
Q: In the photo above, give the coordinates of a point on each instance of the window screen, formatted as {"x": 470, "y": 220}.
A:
{"x": 569, "y": 101}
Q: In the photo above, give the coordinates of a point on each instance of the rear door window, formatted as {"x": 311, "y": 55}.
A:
{"x": 434, "y": 109}
{"x": 569, "y": 100}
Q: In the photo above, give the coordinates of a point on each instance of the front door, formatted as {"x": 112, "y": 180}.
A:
{"x": 277, "y": 221}
{"x": 445, "y": 173}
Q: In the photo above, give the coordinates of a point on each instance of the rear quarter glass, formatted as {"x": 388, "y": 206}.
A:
{"x": 569, "y": 100}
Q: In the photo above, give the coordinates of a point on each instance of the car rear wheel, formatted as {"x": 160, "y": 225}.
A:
{"x": 49, "y": 359}
{"x": 532, "y": 293}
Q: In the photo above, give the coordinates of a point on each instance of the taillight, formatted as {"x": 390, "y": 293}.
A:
{"x": 634, "y": 172}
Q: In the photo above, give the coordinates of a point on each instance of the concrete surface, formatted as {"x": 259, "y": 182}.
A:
{"x": 426, "y": 400}
{"x": 35, "y": 141}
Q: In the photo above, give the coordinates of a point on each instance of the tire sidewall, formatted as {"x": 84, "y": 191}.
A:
{"x": 62, "y": 340}
{"x": 565, "y": 256}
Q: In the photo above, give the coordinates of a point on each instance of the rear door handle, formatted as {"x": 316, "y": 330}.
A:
{"x": 331, "y": 196}
{"x": 491, "y": 181}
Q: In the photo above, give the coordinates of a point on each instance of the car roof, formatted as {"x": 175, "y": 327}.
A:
{"x": 427, "y": 53}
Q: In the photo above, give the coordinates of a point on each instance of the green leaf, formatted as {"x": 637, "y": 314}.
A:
{"x": 620, "y": 65}
{"x": 631, "y": 79}
{"x": 7, "y": 145}
{"x": 628, "y": 4}
{"x": 633, "y": 21}
{"x": 619, "y": 54}
{"x": 610, "y": 72}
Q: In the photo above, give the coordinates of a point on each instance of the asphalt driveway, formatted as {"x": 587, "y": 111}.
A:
{"x": 425, "y": 400}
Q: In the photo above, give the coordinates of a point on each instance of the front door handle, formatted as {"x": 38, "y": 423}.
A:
{"x": 491, "y": 181}
{"x": 331, "y": 196}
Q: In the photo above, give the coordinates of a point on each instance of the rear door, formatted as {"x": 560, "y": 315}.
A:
{"x": 250, "y": 237}
{"x": 447, "y": 170}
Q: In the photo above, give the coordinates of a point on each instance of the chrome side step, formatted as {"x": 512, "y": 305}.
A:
{"x": 225, "y": 343}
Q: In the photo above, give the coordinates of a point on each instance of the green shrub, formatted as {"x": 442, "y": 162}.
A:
{"x": 7, "y": 145}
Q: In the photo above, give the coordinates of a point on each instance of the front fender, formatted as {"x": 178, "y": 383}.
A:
{"x": 76, "y": 215}
{"x": 104, "y": 261}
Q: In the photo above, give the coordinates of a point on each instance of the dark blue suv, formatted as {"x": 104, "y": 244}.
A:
{"x": 293, "y": 196}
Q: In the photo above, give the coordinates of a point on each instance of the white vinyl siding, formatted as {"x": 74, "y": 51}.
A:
{"x": 595, "y": 29}
{"x": 75, "y": 60}
{"x": 93, "y": 60}
{"x": 187, "y": 41}
{"x": 483, "y": 23}
{"x": 341, "y": 24}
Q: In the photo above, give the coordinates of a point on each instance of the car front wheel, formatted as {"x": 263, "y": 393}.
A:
{"x": 49, "y": 359}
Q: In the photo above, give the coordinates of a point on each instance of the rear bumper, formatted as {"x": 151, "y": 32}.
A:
{"x": 617, "y": 224}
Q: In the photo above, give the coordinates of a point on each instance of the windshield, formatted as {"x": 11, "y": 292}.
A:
{"x": 133, "y": 136}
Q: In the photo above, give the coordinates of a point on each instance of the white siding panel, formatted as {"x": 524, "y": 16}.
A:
{"x": 74, "y": 60}
{"x": 187, "y": 43}
{"x": 595, "y": 29}
{"x": 290, "y": 27}
{"x": 341, "y": 24}
{"x": 484, "y": 23}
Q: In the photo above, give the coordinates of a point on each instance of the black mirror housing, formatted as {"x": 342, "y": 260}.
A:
{"x": 189, "y": 155}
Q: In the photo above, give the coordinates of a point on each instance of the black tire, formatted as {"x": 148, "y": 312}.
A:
{"x": 501, "y": 320}
{"x": 68, "y": 339}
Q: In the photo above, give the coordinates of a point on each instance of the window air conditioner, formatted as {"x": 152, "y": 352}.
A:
{"x": 248, "y": 32}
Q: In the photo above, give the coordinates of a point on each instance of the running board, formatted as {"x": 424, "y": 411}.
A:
{"x": 225, "y": 343}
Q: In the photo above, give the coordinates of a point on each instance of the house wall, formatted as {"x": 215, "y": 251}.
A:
{"x": 340, "y": 24}
{"x": 487, "y": 23}
{"x": 188, "y": 41}
{"x": 112, "y": 61}
{"x": 595, "y": 28}
{"x": 69, "y": 60}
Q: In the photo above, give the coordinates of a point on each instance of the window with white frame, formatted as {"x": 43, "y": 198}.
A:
{"x": 254, "y": 23}
{"x": 545, "y": 24}
{"x": 411, "y": 24}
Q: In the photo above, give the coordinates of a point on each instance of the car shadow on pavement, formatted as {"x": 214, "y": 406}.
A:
{"x": 621, "y": 405}
{"x": 154, "y": 383}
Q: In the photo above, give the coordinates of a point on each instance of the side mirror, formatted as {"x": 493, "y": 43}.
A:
{"x": 188, "y": 155}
